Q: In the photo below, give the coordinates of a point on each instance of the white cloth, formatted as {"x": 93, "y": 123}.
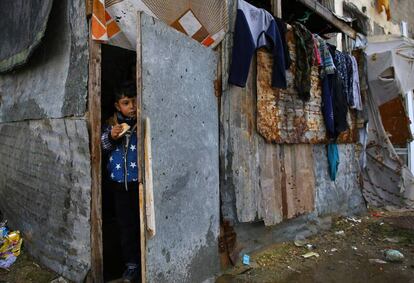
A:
{"x": 355, "y": 85}
{"x": 390, "y": 67}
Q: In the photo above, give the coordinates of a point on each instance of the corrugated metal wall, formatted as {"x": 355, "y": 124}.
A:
{"x": 269, "y": 182}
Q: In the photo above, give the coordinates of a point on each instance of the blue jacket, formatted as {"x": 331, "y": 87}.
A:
{"x": 122, "y": 165}
{"x": 256, "y": 28}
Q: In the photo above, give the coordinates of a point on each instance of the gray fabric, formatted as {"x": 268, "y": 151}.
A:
{"x": 386, "y": 180}
{"x": 355, "y": 85}
{"x": 390, "y": 67}
{"x": 23, "y": 26}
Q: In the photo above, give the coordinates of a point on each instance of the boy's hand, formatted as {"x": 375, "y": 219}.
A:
{"x": 115, "y": 131}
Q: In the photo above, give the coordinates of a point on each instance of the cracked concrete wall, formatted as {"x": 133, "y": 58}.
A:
{"x": 44, "y": 145}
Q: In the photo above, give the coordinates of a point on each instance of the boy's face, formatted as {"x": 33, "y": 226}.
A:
{"x": 127, "y": 106}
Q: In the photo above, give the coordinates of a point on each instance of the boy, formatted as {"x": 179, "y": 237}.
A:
{"x": 121, "y": 151}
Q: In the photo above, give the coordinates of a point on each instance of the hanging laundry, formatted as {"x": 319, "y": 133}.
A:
{"x": 340, "y": 105}
{"x": 384, "y": 5}
{"x": 327, "y": 60}
{"x": 326, "y": 75}
{"x": 350, "y": 81}
{"x": 256, "y": 28}
{"x": 327, "y": 105}
{"x": 317, "y": 54}
{"x": 281, "y": 25}
{"x": 343, "y": 65}
{"x": 355, "y": 85}
{"x": 304, "y": 60}
{"x": 333, "y": 160}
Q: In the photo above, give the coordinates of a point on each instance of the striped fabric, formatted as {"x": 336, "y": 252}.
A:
{"x": 99, "y": 31}
{"x": 114, "y": 21}
{"x": 104, "y": 27}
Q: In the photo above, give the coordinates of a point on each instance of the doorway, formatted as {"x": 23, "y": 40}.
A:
{"x": 118, "y": 66}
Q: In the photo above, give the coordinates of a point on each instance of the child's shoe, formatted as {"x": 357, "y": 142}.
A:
{"x": 131, "y": 274}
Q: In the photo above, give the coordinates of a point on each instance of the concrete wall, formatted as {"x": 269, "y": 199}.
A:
{"x": 178, "y": 96}
{"x": 342, "y": 196}
{"x": 401, "y": 10}
{"x": 44, "y": 145}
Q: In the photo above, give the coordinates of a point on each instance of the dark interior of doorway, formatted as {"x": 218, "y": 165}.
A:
{"x": 118, "y": 66}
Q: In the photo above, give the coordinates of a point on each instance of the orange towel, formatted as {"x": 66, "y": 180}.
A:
{"x": 384, "y": 4}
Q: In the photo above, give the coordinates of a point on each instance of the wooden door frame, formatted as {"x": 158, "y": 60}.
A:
{"x": 94, "y": 125}
{"x": 140, "y": 152}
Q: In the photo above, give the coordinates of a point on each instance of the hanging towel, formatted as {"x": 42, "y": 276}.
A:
{"x": 333, "y": 160}
{"x": 256, "y": 28}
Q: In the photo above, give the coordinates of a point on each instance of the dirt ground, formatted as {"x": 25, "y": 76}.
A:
{"x": 353, "y": 255}
{"x": 348, "y": 256}
{"x": 26, "y": 270}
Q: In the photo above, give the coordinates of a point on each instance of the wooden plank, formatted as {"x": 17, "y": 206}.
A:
{"x": 149, "y": 192}
{"x": 94, "y": 121}
{"x": 329, "y": 17}
{"x": 248, "y": 180}
{"x": 143, "y": 243}
{"x": 88, "y": 8}
{"x": 300, "y": 186}
{"x": 140, "y": 152}
{"x": 270, "y": 209}
{"x": 218, "y": 83}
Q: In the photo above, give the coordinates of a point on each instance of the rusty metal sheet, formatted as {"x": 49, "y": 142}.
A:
{"x": 282, "y": 117}
{"x": 395, "y": 121}
{"x": 253, "y": 186}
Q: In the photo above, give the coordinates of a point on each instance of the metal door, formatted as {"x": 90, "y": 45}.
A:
{"x": 176, "y": 91}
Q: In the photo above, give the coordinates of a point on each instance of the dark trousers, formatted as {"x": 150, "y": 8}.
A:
{"x": 127, "y": 216}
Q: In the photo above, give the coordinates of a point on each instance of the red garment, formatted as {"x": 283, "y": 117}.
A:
{"x": 318, "y": 58}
